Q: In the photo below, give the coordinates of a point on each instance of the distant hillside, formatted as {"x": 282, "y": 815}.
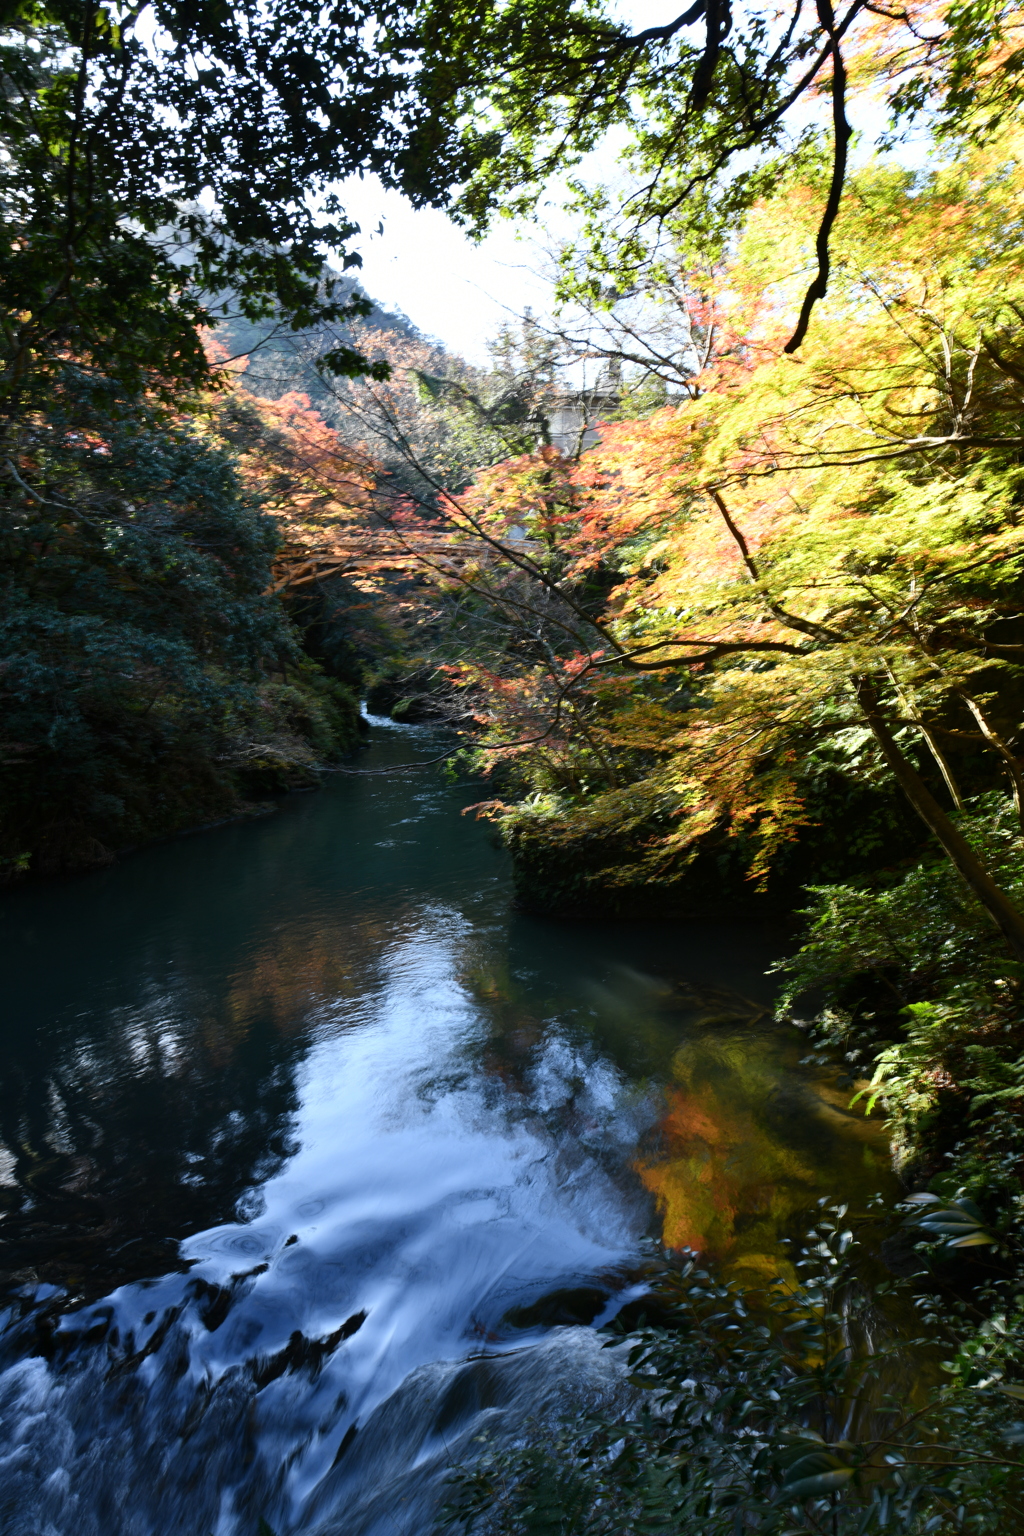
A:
{"x": 281, "y": 360}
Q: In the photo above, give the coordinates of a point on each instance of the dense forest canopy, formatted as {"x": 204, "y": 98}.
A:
{"x": 141, "y": 195}
{"x": 199, "y": 147}
{"x": 715, "y": 106}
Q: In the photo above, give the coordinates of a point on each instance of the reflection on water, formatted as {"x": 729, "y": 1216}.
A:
{"x": 746, "y": 1143}
{"x": 309, "y": 1144}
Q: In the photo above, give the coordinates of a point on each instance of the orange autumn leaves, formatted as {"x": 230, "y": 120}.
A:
{"x": 791, "y": 524}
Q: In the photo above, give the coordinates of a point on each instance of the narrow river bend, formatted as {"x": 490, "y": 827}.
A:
{"x": 316, "y": 1160}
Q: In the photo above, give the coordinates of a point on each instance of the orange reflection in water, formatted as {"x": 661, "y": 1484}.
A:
{"x": 744, "y": 1148}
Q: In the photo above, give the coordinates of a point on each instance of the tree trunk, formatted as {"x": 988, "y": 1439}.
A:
{"x": 995, "y": 740}
{"x": 995, "y": 901}
{"x": 913, "y": 713}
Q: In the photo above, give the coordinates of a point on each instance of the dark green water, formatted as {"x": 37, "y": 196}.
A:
{"x": 315, "y": 1158}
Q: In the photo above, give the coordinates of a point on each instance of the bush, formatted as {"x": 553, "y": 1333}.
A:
{"x": 797, "y": 1408}
{"x": 911, "y": 983}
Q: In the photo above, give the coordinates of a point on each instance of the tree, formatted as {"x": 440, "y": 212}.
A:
{"x": 147, "y": 183}
{"x": 817, "y": 554}
{"x": 155, "y": 178}
{"x": 712, "y": 102}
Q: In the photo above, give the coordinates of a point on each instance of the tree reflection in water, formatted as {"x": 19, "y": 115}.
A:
{"x": 152, "y": 1115}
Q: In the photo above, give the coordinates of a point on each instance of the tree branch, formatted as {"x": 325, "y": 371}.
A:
{"x": 841, "y": 132}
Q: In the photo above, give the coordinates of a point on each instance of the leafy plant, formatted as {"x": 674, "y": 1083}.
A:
{"x": 791, "y": 1409}
{"x": 796, "y": 574}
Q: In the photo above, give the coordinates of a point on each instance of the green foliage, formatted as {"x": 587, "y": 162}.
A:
{"x": 910, "y": 982}
{"x": 907, "y": 937}
{"x": 283, "y": 733}
{"x": 141, "y": 193}
{"x": 820, "y": 561}
{"x": 137, "y": 192}
{"x": 712, "y": 105}
{"x": 604, "y": 848}
{"x": 796, "y": 1408}
{"x": 953, "y": 1223}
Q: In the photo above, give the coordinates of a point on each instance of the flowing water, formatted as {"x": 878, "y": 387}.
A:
{"x": 316, "y": 1160}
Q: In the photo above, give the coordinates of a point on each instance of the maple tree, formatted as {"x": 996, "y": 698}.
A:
{"x": 807, "y": 560}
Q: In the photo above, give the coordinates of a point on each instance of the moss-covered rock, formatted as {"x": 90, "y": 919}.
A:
{"x": 611, "y": 854}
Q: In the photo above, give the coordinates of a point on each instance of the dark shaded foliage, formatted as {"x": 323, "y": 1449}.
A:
{"x": 135, "y": 637}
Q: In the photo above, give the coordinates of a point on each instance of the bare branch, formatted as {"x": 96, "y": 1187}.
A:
{"x": 841, "y": 132}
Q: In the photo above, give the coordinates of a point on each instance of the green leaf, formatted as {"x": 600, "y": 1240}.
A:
{"x": 823, "y": 1482}
{"x": 812, "y": 1463}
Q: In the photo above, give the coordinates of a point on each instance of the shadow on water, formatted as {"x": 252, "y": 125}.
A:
{"x": 317, "y": 1159}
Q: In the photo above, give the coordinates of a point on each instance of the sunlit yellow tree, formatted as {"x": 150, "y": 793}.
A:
{"x": 817, "y": 547}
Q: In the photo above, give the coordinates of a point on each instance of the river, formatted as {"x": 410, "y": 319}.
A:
{"x": 318, "y": 1160}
